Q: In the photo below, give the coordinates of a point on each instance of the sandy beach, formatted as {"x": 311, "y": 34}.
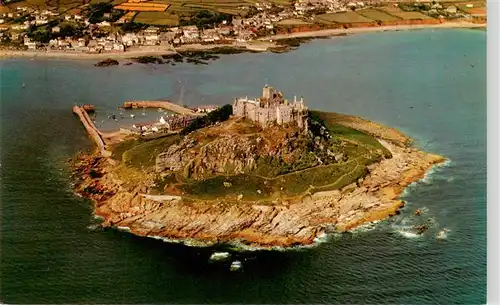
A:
{"x": 262, "y": 45}
{"x": 333, "y": 32}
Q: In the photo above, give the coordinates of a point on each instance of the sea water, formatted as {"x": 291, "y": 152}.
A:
{"x": 431, "y": 84}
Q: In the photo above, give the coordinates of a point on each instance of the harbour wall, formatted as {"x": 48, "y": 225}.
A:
{"x": 159, "y": 104}
{"x": 91, "y": 129}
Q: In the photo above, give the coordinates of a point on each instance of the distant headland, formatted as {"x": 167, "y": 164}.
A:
{"x": 260, "y": 172}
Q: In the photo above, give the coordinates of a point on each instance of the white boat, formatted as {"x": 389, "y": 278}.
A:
{"x": 132, "y": 115}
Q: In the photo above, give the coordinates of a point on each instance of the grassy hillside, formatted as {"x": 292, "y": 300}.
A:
{"x": 273, "y": 177}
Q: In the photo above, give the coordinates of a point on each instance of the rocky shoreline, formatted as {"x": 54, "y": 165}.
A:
{"x": 283, "y": 224}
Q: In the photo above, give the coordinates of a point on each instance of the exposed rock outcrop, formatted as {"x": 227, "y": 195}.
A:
{"x": 283, "y": 224}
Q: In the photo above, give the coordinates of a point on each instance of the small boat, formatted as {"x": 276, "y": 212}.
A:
{"x": 132, "y": 115}
{"x": 24, "y": 85}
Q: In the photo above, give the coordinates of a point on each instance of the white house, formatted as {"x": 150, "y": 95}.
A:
{"x": 130, "y": 39}
{"x": 119, "y": 47}
{"x": 108, "y": 46}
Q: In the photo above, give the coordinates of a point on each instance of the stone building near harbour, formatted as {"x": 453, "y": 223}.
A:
{"x": 272, "y": 108}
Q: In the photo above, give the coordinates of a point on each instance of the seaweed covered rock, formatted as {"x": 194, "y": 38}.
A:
{"x": 107, "y": 62}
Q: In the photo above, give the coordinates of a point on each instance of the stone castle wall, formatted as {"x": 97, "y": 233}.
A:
{"x": 271, "y": 108}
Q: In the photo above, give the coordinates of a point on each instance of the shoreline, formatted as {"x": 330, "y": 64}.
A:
{"x": 383, "y": 28}
{"x": 259, "y": 45}
{"x": 300, "y": 223}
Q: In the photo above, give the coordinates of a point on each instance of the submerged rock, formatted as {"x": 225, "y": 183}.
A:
{"x": 421, "y": 229}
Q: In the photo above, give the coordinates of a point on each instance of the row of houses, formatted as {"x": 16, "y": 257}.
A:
{"x": 163, "y": 125}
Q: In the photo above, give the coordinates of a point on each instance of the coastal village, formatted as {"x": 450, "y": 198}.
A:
{"x": 100, "y": 27}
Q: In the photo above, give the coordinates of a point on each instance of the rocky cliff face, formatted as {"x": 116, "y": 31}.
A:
{"x": 201, "y": 155}
{"x": 227, "y": 154}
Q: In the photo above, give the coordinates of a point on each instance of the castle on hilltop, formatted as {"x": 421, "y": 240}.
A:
{"x": 271, "y": 108}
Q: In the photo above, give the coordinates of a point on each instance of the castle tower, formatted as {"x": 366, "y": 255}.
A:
{"x": 267, "y": 92}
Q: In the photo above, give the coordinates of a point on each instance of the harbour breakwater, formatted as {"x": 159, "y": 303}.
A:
{"x": 92, "y": 130}
{"x": 159, "y": 104}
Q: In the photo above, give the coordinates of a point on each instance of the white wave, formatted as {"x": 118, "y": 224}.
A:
{"x": 93, "y": 227}
{"x": 431, "y": 173}
{"x": 408, "y": 234}
{"x": 369, "y": 226}
{"x": 98, "y": 217}
{"x": 187, "y": 242}
{"x": 236, "y": 265}
{"x": 424, "y": 210}
{"x": 321, "y": 238}
{"x": 124, "y": 229}
{"x": 219, "y": 256}
{"x": 443, "y": 234}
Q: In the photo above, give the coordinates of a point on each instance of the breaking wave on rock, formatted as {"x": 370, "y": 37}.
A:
{"x": 429, "y": 177}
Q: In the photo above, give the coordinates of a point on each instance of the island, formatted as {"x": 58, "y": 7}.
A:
{"x": 261, "y": 172}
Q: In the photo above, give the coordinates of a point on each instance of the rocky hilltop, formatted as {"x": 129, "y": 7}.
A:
{"x": 236, "y": 182}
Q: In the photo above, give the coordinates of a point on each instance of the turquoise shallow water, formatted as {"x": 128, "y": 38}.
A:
{"x": 49, "y": 255}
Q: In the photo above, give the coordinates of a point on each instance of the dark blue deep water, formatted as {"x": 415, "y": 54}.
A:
{"x": 49, "y": 255}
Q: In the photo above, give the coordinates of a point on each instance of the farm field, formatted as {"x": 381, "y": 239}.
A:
{"x": 293, "y": 22}
{"x": 478, "y": 8}
{"x": 157, "y": 18}
{"x": 375, "y": 14}
{"x": 345, "y": 17}
{"x": 396, "y": 11}
{"x": 44, "y": 4}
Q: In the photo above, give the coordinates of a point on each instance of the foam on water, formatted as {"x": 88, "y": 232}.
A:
{"x": 408, "y": 234}
{"x": 428, "y": 178}
{"x": 124, "y": 229}
{"x": 220, "y": 256}
{"x": 443, "y": 234}
{"x": 93, "y": 227}
{"x": 369, "y": 226}
{"x": 187, "y": 242}
{"x": 431, "y": 173}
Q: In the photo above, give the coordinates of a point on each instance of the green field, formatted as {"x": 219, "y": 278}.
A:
{"x": 158, "y": 18}
{"x": 142, "y": 154}
{"x": 479, "y": 8}
{"x": 272, "y": 178}
{"x": 375, "y": 14}
{"x": 412, "y": 16}
{"x": 344, "y": 17}
{"x": 398, "y": 12}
